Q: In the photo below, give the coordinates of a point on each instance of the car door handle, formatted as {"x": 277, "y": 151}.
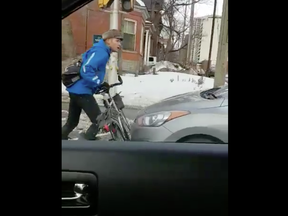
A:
{"x": 77, "y": 196}
{"x": 79, "y": 191}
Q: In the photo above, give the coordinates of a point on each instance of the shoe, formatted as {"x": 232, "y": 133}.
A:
{"x": 87, "y": 137}
{"x": 65, "y": 137}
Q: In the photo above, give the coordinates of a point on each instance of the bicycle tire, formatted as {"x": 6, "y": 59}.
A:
{"x": 124, "y": 124}
{"x": 115, "y": 131}
{"x": 126, "y": 120}
{"x": 126, "y": 127}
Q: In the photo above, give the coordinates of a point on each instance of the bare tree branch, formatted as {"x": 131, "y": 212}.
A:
{"x": 173, "y": 26}
{"x": 176, "y": 50}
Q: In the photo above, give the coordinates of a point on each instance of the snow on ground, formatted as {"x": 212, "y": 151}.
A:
{"x": 145, "y": 90}
{"x": 148, "y": 89}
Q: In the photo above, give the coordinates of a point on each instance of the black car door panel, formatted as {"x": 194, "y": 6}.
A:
{"x": 146, "y": 178}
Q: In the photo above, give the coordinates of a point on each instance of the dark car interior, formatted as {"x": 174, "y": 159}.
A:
{"x": 141, "y": 178}
{"x": 130, "y": 178}
{"x": 70, "y": 6}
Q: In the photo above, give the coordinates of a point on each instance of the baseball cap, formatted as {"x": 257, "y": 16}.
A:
{"x": 112, "y": 33}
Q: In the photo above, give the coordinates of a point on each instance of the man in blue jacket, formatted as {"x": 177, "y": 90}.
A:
{"x": 92, "y": 76}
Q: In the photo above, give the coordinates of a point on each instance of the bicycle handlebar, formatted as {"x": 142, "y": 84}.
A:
{"x": 116, "y": 84}
{"x": 106, "y": 90}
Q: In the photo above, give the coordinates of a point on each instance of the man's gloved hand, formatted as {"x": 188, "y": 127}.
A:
{"x": 105, "y": 85}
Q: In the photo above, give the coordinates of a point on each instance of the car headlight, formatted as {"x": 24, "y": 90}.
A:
{"x": 157, "y": 119}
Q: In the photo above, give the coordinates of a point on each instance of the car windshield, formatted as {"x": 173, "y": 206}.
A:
{"x": 165, "y": 96}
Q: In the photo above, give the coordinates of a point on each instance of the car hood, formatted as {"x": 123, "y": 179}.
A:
{"x": 186, "y": 101}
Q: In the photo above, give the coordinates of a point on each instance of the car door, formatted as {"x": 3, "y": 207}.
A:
{"x": 110, "y": 178}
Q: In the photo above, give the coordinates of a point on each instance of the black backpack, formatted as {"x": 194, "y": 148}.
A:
{"x": 71, "y": 74}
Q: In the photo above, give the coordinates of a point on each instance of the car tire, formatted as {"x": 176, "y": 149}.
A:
{"x": 201, "y": 139}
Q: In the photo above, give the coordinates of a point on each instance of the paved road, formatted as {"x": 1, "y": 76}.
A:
{"x": 84, "y": 121}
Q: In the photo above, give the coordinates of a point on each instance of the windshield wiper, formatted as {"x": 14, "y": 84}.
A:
{"x": 208, "y": 95}
{"x": 212, "y": 94}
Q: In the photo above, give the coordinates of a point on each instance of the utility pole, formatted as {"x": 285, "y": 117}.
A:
{"x": 190, "y": 37}
{"x": 184, "y": 26}
{"x": 183, "y": 57}
{"x": 222, "y": 54}
{"x": 120, "y": 68}
{"x": 211, "y": 39}
{"x": 113, "y": 61}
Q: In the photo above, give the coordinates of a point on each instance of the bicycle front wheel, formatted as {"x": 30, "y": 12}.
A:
{"x": 126, "y": 128}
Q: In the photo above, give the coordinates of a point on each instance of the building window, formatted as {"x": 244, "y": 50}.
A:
{"x": 129, "y": 35}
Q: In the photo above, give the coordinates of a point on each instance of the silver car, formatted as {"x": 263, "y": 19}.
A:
{"x": 191, "y": 117}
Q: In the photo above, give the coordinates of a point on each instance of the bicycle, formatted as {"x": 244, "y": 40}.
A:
{"x": 113, "y": 119}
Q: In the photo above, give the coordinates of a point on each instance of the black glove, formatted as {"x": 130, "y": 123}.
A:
{"x": 105, "y": 85}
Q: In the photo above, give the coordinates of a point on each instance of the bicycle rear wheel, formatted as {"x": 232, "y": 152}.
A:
{"x": 116, "y": 131}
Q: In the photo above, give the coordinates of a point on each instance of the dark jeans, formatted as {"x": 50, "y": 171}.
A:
{"x": 90, "y": 107}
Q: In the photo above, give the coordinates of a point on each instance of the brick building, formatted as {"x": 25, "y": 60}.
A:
{"x": 90, "y": 22}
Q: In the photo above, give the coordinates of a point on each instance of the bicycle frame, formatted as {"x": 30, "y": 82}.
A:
{"x": 113, "y": 107}
{"x": 109, "y": 116}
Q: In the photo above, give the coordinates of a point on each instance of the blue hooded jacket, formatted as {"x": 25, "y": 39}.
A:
{"x": 93, "y": 69}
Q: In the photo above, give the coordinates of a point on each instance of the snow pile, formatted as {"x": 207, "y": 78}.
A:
{"x": 166, "y": 66}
